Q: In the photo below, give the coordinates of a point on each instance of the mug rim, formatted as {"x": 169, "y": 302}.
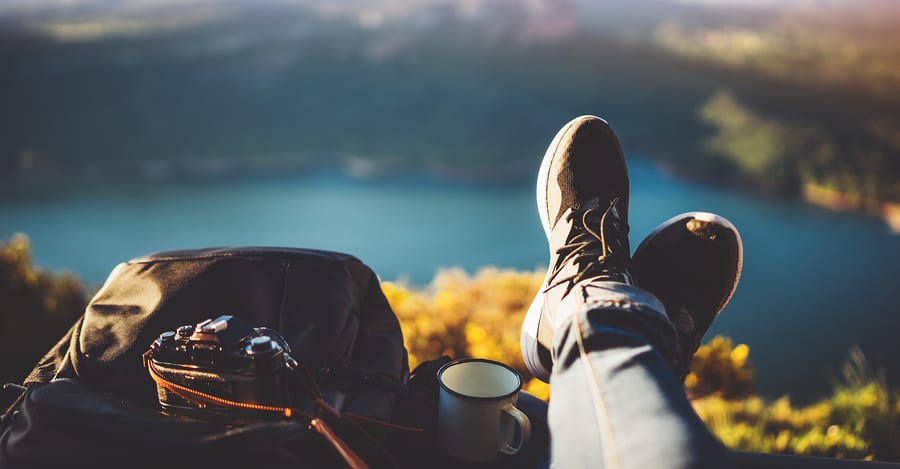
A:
{"x": 459, "y": 361}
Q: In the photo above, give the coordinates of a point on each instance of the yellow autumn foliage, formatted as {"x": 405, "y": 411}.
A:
{"x": 467, "y": 316}
{"x": 480, "y": 315}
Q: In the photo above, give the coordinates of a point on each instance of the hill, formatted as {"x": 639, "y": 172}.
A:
{"x": 790, "y": 100}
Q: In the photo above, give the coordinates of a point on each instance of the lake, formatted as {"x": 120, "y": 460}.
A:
{"x": 815, "y": 283}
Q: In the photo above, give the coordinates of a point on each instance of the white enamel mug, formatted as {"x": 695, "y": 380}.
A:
{"x": 477, "y": 417}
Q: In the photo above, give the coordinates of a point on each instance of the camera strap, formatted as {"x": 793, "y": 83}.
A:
{"x": 317, "y": 423}
{"x": 203, "y": 399}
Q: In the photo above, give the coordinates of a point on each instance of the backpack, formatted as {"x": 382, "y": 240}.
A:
{"x": 89, "y": 402}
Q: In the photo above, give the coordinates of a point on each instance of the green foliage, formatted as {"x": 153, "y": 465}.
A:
{"x": 856, "y": 47}
{"x": 825, "y": 164}
{"x": 866, "y": 405}
{"x": 811, "y": 107}
{"x": 861, "y": 420}
{"x": 36, "y": 308}
{"x": 759, "y": 147}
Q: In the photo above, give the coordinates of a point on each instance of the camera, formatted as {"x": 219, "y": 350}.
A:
{"x": 220, "y": 367}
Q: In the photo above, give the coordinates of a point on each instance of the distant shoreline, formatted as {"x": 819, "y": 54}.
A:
{"x": 262, "y": 166}
{"x": 841, "y": 202}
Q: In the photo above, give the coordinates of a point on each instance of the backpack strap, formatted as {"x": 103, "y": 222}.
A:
{"x": 12, "y": 397}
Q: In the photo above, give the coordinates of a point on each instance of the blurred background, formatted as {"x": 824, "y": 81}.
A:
{"x": 409, "y": 132}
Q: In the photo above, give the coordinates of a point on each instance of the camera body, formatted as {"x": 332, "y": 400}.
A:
{"x": 225, "y": 358}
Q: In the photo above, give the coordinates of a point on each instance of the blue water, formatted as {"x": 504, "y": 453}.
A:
{"x": 815, "y": 283}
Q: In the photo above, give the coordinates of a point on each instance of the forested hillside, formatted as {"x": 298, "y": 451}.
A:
{"x": 793, "y": 101}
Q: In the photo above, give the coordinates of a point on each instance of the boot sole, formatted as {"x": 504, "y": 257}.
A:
{"x": 709, "y": 218}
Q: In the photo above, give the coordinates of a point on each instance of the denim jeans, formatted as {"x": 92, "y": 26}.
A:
{"x": 615, "y": 402}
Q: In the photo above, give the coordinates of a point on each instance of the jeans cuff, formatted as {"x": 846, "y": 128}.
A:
{"x": 604, "y": 308}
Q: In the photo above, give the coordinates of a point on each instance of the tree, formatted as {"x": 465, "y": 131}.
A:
{"x": 36, "y": 308}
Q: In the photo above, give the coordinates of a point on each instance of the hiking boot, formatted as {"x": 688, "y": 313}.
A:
{"x": 692, "y": 263}
{"x": 582, "y": 197}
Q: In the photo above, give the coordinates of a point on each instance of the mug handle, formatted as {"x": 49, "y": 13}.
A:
{"x": 524, "y": 429}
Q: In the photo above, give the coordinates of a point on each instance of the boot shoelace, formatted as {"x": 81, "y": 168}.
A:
{"x": 590, "y": 246}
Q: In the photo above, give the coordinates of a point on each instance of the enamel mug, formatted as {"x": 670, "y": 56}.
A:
{"x": 477, "y": 417}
